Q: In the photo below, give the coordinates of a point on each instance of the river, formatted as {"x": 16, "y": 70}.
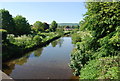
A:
{"x": 50, "y": 62}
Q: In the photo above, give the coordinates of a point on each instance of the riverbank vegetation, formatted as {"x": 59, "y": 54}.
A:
{"x": 97, "y": 43}
{"x": 97, "y": 39}
{"x": 19, "y": 37}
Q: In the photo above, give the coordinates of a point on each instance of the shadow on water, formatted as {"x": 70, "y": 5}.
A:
{"x": 49, "y": 62}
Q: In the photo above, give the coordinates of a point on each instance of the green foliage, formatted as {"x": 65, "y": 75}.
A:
{"x": 21, "y": 25}
{"x": 49, "y": 36}
{"x": 11, "y": 37}
{"x": 76, "y": 59}
{"x": 43, "y": 35}
{"x": 20, "y": 37}
{"x": 90, "y": 71}
{"x": 7, "y": 21}
{"x": 99, "y": 37}
{"x": 81, "y": 54}
{"x": 47, "y": 30}
{"x": 28, "y": 41}
{"x": 17, "y": 46}
{"x": 38, "y": 26}
{"x": 76, "y": 38}
{"x": 4, "y": 34}
{"x": 60, "y": 31}
{"x": 102, "y": 68}
{"x": 37, "y": 39}
{"x": 45, "y": 26}
{"x": 53, "y": 26}
{"x": 23, "y": 41}
{"x": 54, "y": 43}
{"x": 76, "y": 27}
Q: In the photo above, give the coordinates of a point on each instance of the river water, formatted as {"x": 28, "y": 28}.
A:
{"x": 50, "y": 62}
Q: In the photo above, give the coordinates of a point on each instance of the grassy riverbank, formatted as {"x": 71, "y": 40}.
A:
{"x": 16, "y": 47}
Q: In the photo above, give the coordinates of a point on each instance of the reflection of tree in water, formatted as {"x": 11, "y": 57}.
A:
{"x": 54, "y": 43}
{"x": 38, "y": 52}
{"x": 22, "y": 60}
{"x": 57, "y": 42}
{"x": 60, "y": 42}
{"x": 8, "y": 67}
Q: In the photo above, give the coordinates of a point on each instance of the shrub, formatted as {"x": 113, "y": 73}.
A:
{"x": 37, "y": 39}
{"x": 102, "y": 68}
{"x": 76, "y": 38}
{"x": 21, "y": 41}
{"x": 11, "y": 37}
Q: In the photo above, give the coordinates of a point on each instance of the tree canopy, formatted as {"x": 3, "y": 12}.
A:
{"x": 99, "y": 38}
{"x": 45, "y": 26}
{"x": 38, "y": 26}
{"x": 102, "y": 19}
{"x": 21, "y": 25}
{"x": 7, "y": 22}
{"x": 53, "y": 26}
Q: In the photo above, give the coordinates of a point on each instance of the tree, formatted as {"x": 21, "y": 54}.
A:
{"x": 102, "y": 20}
{"x": 21, "y": 25}
{"x": 7, "y": 22}
{"x": 100, "y": 35}
{"x": 38, "y": 26}
{"x": 38, "y": 52}
{"x": 53, "y": 26}
{"x": 45, "y": 26}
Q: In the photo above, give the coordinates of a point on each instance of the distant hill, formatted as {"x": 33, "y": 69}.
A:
{"x": 67, "y": 24}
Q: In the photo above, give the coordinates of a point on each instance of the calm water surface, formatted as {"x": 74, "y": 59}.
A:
{"x": 50, "y": 62}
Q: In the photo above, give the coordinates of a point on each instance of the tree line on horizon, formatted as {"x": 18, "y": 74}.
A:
{"x": 19, "y": 25}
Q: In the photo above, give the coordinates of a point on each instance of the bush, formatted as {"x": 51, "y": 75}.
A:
{"x": 76, "y": 38}
{"x": 11, "y": 37}
{"x": 43, "y": 35}
{"x": 21, "y": 41}
{"x": 37, "y": 39}
{"x": 102, "y": 68}
{"x": 81, "y": 54}
{"x": 75, "y": 62}
{"x": 27, "y": 41}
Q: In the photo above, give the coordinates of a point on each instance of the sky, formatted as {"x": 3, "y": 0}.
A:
{"x": 61, "y": 12}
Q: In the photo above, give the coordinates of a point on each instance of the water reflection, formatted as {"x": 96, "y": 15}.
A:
{"x": 57, "y": 42}
{"x": 38, "y": 52}
{"x": 51, "y": 61}
{"x": 9, "y": 66}
{"x": 54, "y": 43}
